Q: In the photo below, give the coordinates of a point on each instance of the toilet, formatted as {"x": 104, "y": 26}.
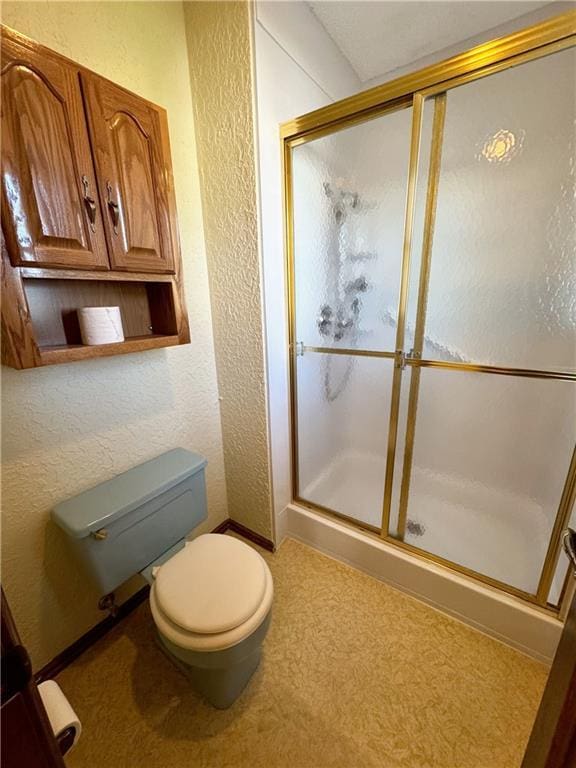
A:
{"x": 211, "y": 605}
{"x": 210, "y": 597}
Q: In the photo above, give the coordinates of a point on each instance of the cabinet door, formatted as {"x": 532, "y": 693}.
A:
{"x": 51, "y": 215}
{"x": 134, "y": 175}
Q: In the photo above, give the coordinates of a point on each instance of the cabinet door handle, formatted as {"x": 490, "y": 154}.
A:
{"x": 90, "y": 204}
{"x": 113, "y": 207}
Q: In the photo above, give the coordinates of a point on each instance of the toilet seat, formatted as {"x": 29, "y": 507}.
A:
{"x": 212, "y": 594}
{"x": 215, "y": 583}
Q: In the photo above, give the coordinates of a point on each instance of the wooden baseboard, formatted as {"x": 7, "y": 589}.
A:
{"x": 223, "y": 527}
{"x": 72, "y": 652}
{"x": 249, "y": 534}
{"x": 78, "y": 647}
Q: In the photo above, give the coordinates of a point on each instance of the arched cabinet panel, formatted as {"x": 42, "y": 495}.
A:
{"x": 50, "y": 210}
{"x": 134, "y": 176}
{"x": 134, "y": 163}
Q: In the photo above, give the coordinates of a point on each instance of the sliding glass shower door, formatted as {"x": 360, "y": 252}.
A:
{"x": 349, "y": 199}
{"x": 489, "y": 421}
{"x": 432, "y": 260}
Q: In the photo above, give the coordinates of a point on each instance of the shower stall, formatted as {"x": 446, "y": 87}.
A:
{"x": 430, "y": 237}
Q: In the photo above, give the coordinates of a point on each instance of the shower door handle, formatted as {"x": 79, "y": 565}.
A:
{"x": 569, "y": 539}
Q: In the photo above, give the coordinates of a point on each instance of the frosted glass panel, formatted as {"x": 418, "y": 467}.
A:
{"x": 343, "y": 407}
{"x": 503, "y": 269}
{"x": 491, "y": 455}
{"x": 349, "y": 192}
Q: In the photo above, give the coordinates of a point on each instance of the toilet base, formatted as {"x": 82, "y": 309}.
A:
{"x": 219, "y": 676}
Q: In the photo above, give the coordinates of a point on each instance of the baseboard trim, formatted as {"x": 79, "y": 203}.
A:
{"x": 223, "y": 527}
{"x": 78, "y": 647}
{"x": 248, "y": 533}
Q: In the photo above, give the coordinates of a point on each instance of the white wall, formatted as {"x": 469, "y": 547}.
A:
{"x": 302, "y": 38}
{"x": 297, "y": 69}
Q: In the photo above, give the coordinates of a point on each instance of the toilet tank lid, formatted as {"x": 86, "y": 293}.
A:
{"x": 101, "y": 505}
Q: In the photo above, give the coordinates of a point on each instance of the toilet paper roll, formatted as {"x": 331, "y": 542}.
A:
{"x": 60, "y": 713}
{"x": 100, "y": 325}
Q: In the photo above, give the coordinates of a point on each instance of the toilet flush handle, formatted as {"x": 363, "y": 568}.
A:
{"x": 100, "y": 535}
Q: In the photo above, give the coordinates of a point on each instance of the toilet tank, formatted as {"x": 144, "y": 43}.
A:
{"x": 119, "y": 527}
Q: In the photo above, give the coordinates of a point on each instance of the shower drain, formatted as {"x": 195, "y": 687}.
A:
{"x": 414, "y": 528}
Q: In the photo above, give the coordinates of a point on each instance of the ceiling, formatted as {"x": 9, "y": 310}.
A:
{"x": 377, "y": 37}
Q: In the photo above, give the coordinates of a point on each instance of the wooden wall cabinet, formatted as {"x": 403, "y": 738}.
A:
{"x": 88, "y": 211}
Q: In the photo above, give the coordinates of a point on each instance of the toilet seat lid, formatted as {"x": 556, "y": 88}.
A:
{"x": 212, "y": 585}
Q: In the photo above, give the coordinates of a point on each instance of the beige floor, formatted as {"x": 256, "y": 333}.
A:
{"x": 354, "y": 674}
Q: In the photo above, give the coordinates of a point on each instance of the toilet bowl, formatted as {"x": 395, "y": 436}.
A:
{"x": 211, "y": 604}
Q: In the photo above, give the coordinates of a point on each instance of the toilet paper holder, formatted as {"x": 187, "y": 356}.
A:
{"x": 64, "y": 722}
{"x": 66, "y": 739}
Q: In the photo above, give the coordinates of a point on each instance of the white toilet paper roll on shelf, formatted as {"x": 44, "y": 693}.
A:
{"x": 60, "y": 713}
{"x": 100, "y": 325}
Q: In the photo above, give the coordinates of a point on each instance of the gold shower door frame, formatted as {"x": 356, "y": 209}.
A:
{"x": 551, "y": 36}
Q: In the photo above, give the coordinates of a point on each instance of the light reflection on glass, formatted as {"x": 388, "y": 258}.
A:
{"x": 502, "y": 146}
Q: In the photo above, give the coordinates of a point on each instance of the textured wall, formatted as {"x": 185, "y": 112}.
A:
{"x": 219, "y": 53}
{"x": 67, "y": 427}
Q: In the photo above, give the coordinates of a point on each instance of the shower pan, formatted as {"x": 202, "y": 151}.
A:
{"x": 430, "y": 238}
